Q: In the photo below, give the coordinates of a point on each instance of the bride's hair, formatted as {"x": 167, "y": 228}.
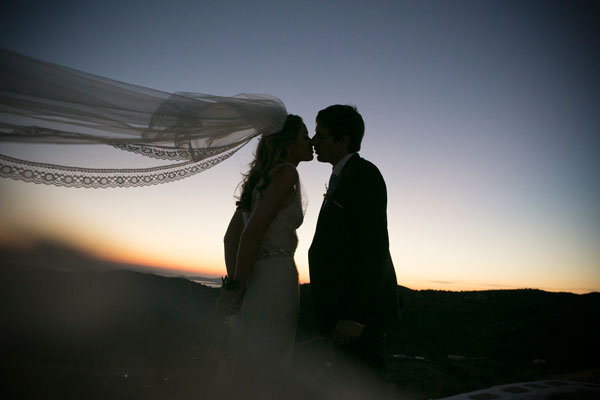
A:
{"x": 271, "y": 150}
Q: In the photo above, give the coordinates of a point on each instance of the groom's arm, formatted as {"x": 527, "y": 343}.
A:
{"x": 369, "y": 234}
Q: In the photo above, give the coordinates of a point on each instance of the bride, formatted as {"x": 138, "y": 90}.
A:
{"x": 261, "y": 291}
{"x": 184, "y": 133}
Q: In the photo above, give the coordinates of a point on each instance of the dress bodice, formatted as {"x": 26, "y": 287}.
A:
{"x": 281, "y": 234}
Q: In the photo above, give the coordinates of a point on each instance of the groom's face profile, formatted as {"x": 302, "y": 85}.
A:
{"x": 328, "y": 150}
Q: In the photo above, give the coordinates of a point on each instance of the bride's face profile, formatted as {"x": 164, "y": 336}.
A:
{"x": 301, "y": 149}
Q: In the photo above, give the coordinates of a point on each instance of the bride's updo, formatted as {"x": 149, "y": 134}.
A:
{"x": 271, "y": 150}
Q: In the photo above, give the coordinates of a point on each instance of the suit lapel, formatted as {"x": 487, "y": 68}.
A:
{"x": 340, "y": 181}
{"x": 344, "y": 173}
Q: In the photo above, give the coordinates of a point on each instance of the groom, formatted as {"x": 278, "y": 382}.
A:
{"x": 353, "y": 282}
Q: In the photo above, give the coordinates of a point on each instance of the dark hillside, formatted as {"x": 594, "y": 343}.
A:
{"x": 135, "y": 335}
{"x": 115, "y": 315}
{"x": 502, "y": 324}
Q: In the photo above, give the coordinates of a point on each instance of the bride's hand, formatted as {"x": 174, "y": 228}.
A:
{"x": 229, "y": 302}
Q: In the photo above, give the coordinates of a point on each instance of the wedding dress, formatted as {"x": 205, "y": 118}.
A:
{"x": 265, "y": 327}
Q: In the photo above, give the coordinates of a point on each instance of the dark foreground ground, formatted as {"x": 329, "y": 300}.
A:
{"x": 129, "y": 335}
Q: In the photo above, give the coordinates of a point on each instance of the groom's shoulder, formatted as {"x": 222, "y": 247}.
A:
{"x": 366, "y": 167}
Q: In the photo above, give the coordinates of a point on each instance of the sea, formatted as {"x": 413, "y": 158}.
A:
{"x": 210, "y": 282}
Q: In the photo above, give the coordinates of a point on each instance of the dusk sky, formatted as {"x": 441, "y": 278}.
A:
{"x": 482, "y": 116}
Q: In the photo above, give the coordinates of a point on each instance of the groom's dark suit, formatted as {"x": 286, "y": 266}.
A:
{"x": 351, "y": 272}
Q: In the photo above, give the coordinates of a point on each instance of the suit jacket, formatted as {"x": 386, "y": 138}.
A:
{"x": 351, "y": 271}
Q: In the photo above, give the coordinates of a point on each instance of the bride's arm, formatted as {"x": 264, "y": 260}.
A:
{"x": 272, "y": 199}
{"x": 232, "y": 240}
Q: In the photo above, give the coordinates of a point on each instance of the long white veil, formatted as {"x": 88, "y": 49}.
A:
{"x": 51, "y": 106}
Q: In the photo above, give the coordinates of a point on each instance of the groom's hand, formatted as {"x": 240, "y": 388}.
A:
{"x": 346, "y": 332}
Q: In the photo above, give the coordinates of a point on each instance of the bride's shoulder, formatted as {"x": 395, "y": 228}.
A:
{"x": 285, "y": 175}
{"x": 285, "y": 170}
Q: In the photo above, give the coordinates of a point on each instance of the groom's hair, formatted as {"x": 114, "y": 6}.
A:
{"x": 343, "y": 120}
